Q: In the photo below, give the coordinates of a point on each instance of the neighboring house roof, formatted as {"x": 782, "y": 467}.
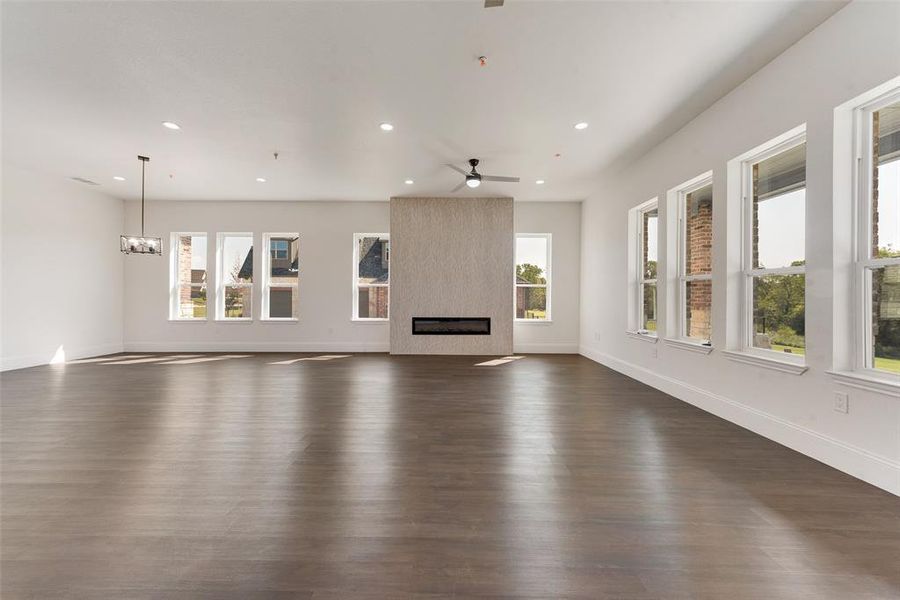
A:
{"x": 247, "y": 268}
{"x": 372, "y": 264}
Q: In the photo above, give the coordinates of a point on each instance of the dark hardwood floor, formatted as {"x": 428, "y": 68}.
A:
{"x": 413, "y": 477}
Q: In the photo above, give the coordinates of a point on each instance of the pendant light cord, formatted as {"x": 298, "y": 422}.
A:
{"x": 143, "y": 168}
{"x": 144, "y": 160}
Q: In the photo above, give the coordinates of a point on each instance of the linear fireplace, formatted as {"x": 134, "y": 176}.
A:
{"x": 451, "y": 326}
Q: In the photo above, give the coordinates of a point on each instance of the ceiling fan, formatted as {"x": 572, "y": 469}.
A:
{"x": 474, "y": 178}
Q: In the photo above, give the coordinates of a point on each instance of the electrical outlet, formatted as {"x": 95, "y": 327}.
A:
{"x": 842, "y": 402}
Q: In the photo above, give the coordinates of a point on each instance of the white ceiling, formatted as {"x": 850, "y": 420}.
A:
{"x": 87, "y": 85}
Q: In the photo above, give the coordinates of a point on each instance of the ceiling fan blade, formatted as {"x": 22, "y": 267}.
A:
{"x": 457, "y": 169}
{"x": 499, "y": 178}
{"x": 457, "y": 188}
{"x": 493, "y": 3}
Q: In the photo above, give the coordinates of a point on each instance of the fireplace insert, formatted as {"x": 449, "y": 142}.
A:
{"x": 451, "y": 326}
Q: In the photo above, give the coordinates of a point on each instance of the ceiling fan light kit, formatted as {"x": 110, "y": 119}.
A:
{"x": 141, "y": 244}
{"x": 473, "y": 178}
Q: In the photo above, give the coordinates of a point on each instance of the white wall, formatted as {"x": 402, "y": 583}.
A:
{"x": 563, "y": 221}
{"x": 326, "y": 254}
{"x": 855, "y": 50}
{"x": 61, "y": 270}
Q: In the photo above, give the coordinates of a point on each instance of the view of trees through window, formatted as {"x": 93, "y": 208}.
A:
{"x": 532, "y": 276}
{"x": 649, "y": 260}
{"x": 777, "y": 274}
{"x": 237, "y": 276}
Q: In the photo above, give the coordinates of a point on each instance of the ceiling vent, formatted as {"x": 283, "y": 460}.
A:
{"x": 83, "y": 180}
{"x": 493, "y": 3}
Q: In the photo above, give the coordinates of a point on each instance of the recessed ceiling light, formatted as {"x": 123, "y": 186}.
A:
{"x": 171, "y": 125}
{"x": 261, "y": 179}
{"x": 386, "y": 127}
{"x": 409, "y": 182}
{"x": 118, "y": 178}
{"x": 540, "y": 182}
{"x": 581, "y": 125}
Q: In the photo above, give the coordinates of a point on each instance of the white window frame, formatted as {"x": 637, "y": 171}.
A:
{"x": 636, "y": 269}
{"x": 175, "y": 283}
{"x": 679, "y": 195}
{"x": 267, "y": 276}
{"x": 357, "y": 237}
{"x": 547, "y": 275}
{"x": 220, "y": 278}
{"x": 780, "y": 144}
{"x": 863, "y": 262}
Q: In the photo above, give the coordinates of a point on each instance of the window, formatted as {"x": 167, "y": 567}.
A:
{"x": 235, "y": 281}
{"x": 694, "y": 210}
{"x": 371, "y": 276}
{"x": 878, "y": 253}
{"x": 188, "y": 289}
{"x": 279, "y": 248}
{"x": 281, "y": 283}
{"x": 643, "y": 257}
{"x": 774, "y": 197}
{"x": 532, "y": 277}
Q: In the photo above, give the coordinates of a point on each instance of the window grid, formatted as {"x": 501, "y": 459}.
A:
{"x": 545, "y": 286}
{"x": 227, "y": 300}
{"x": 647, "y": 274}
{"x": 358, "y": 286}
{"x": 684, "y": 277}
{"x": 183, "y": 270}
{"x": 868, "y": 261}
{"x": 279, "y": 248}
{"x": 752, "y": 271}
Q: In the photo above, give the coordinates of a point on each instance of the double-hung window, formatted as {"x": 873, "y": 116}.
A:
{"x": 532, "y": 277}
{"x": 694, "y": 259}
{"x": 646, "y": 255}
{"x": 235, "y": 277}
{"x": 188, "y": 277}
{"x": 774, "y": 254}
{"x": 878, "y": 237}
{"x": 371, "y": 276}
{"x": 281, "y": 277}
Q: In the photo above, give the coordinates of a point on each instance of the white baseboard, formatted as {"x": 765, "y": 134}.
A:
{"x": 9, "y": 363}
{"x": 256, "y": 347}
{"x": 858, "y": 462}
{"x": 545, "y": 348}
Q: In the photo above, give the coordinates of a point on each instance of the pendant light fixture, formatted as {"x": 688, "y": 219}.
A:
{"x": 141, "y": 244}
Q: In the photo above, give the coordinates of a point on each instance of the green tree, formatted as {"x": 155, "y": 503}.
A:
{"x": 780, "y": 302}
{"x": 530, "y": 273}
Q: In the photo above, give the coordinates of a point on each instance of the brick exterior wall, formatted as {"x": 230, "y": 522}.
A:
{"x": 698, "y": 246}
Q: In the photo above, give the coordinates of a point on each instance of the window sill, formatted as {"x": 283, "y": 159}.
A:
{"x": 534, "y": 321}
{"x": 187, "y": 320}
{"x": 280, "y": 320}
{"x": 644, "y": 337}
{"x": 872, "y": 383}
{"x": 358, "y": 320}
{"x": 689, "y": 345}
{"x": 785, "y": 366}
{"x": 234, "y": 320}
